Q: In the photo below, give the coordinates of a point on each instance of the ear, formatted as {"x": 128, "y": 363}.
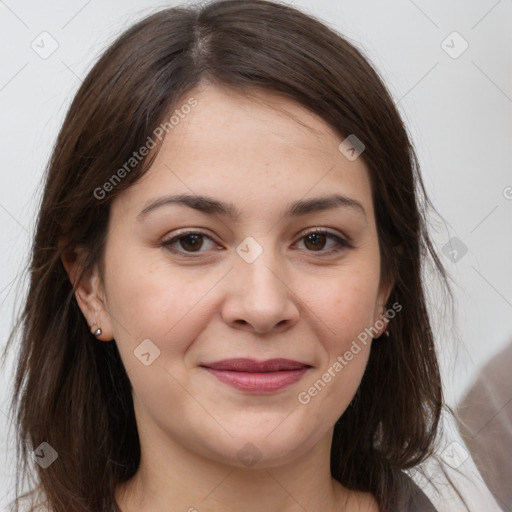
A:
{"x": 89, "y": 292}
{"x": 380, "y": 320}
{"x": 385, "y": 288}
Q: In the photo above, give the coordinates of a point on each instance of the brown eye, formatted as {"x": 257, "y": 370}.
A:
{"x": 185, "y": 243}
{"x": 316, "y": 241}
{"x": 191, "y": 242}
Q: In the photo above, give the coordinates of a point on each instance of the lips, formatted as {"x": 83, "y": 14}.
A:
{"x": 251, "y": 365}
{"x": 260, "y": 377}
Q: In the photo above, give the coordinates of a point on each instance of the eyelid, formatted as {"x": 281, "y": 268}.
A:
{"x": 326, "y": 231}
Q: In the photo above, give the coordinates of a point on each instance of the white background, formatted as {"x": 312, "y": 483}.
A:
{"x": 458, "y": 111}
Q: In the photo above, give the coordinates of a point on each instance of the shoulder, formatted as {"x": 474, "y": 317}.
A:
{"x": 416, "y": 500}
{"x": 412, "y": 499}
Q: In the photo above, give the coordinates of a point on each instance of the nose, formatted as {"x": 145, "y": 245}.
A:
{"x": 259, "y": 296}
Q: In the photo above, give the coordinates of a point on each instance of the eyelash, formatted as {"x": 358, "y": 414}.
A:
{"x": 342, "y": 243}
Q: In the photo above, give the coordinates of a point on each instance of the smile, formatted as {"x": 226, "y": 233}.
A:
{"x": 257, "y": 377}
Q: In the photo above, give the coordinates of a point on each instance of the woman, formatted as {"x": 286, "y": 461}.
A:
{"x": 226, "y": 307}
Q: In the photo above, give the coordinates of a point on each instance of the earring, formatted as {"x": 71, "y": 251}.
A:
{"x": 387, "y": 334}
{"x": 98, "y": 331}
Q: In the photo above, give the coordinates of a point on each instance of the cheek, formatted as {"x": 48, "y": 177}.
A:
{"x": 347, "y": 308}
{"x": 163, "y": 304}
{"x": 152, "y": 299}
{"x": 333, "y": 385}
{"x": 140, "y": 299}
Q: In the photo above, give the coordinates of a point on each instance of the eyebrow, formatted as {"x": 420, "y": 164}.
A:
{"x": 211, "y": 206}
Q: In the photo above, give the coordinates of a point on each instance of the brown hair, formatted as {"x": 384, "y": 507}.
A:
{"x": 73, "y": 392}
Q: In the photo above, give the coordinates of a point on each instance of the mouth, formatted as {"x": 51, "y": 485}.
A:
{"x": 254, "y": 376}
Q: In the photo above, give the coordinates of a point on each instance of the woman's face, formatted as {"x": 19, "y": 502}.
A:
{"x": 252, "y": 282}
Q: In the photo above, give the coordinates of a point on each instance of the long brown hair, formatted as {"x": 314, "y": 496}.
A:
{"x": 73, "y": 392}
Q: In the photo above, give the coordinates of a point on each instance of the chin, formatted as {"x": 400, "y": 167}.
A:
{"x": 262, "y": 450}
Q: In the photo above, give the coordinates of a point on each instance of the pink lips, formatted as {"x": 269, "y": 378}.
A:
{"x": 257, "y": 376}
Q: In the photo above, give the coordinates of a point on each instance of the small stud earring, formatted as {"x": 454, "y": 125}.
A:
{"x": 97, "y": 332}
{"x": 387, "y": 334}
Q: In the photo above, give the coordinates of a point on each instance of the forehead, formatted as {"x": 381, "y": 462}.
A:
{"x": 242, "y": 122}
{"x": 258, "y": 149}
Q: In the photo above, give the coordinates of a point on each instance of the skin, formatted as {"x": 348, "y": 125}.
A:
{"x": 296, "y": 301}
